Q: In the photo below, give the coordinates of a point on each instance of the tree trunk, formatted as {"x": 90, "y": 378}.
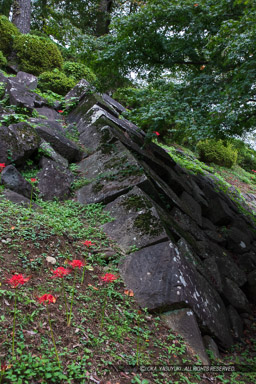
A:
{"x": 103, "y": 17}
{"x": 21, "y": 15}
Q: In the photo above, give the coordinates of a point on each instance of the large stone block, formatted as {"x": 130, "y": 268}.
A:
{"x": 162, "y": 279}
{"x": 60, "y": 143}
{"x": 54, "y": 181}
{"x": 183, "y": 321}
{"x": 136, "y": 221}
{"x": 112, "y": 174}
{"x": 12, "y": 179}
{"x": 17, "y": 143}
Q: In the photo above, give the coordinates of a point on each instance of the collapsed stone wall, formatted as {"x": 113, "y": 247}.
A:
{"x": 188, "y": 247}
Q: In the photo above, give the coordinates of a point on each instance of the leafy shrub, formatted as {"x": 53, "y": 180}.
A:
{"x": 2, "y": 90}
{"x": 78, "y": 71}
{"x": 3, "y": 60}
{"x": 7, "y": 32}
{"x": 247, "y": 159}
{"x": 212, "y": 151}
{"x": 37, "y": 54}
{"x": 55, "y": 81}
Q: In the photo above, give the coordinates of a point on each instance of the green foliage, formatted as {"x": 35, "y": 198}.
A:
{"x": 37, "y": 54}
{"x": 247, "y": 160}
{"x": 78, "y": 71}
{"x": 212, "y": 151}
{"x": 55, "y": 81}
{"x": 3, "y": 60}
{"x": 2, "y": 90}
{"x": 50, "y": 96}
{"x": 205, "y": 51}
{"x": 7, "y": 32}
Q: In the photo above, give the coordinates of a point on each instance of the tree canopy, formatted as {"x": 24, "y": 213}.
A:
{"x": 195, "y": 61}
{"x": 199, "y": 60}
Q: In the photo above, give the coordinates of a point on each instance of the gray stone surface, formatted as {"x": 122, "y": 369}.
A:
{"x": 49, "y": 152}
{"x": 112, "y": 174}
{"x": 60, "y": 143}
{"x": 235, "y": 295}
{"x": 219, "y": 212}
{"x": 18, "y": 199}
{"x": 27, "y": 80}
{"x": 236, "y": 322}
{"x": 252, "y": 286}
{"x": 21, "y": 97}
{"x": 49, "y": 113}
{"x": 162, "y": 279}
{"x": 210, "y": 344}
{"x": 79, "y": 91}
{"x": 183, "y": 321}
{"x": 17, "y": 143}
{"x": 136, "y": 221}
{"x": 13, "y": 180}
{"x": 54, "y": 181}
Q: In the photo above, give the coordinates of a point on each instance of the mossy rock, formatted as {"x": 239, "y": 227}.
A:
{"x": 78, "y": 71}
{"x": 36, "y": 54}
{"x": 7, "y": 32}
{"x": 3, "y": 60}
{"x": 56, "y": 81}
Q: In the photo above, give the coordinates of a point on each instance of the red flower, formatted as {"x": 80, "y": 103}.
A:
{"x": 33, "y": 180}
{"x": 4, "y": 366}
{"x": 157, "y": 133}
{"x": 60, "y": 111}
{"x": 88, "y": 243}
{"x": 76, "y": 264}
{"x": 253, "y": 170}
{"x": 2, "y": 166}
{"x": 61, "y": 272}
{"x": 108, "y": 278}
{"x": 46, "y": 299}
{"x": 17, "y": 280}
{"x": 196, "y": 5}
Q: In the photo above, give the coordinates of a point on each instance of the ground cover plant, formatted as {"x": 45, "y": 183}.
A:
{"x": 97, "y": 328}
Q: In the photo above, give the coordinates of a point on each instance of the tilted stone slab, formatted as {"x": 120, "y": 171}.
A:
{"x": 48, "y": 151}
{"x": 49, "y": 113}
{"x": 136, "y": 221}
{"x": 96, "y": 137}
{"x": 54, "y": 181}
{"x": 183, "y": 321}
{"x": 17, "y": 198}
{"x": 79, "y": 91}
{"x": 109, "y": 161}
{"x": 112, "y": 174}
{"x": 88, "y": 106}
{"x": 162, "y": 279}
{"x": 60, "y": 143}
{"x": 106, "y": 190}
{"x": 118, "y": 107}
{"x": 20, "y": 96}
{"x": 235, "y": 295}
{"x": 17, "y": 143}
{"x": 27, "y": 80}
{"x": 12, "y": 179}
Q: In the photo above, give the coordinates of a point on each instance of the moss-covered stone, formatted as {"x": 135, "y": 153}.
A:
{"x": 36, "y": 54}
{"x": 148, "y": 224}
{"x": 7, "y": 32}
{"x": 136, "y": 203}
